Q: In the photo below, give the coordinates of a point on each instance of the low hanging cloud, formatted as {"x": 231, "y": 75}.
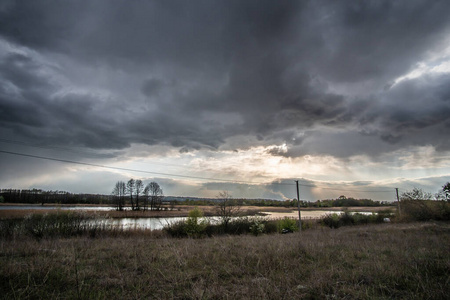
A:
{"x": 316, "y": 75}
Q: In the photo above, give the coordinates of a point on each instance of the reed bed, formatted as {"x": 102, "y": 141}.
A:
{"x": 58, "y": 224}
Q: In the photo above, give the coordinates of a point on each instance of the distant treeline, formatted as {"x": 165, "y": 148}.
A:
{"x": 35, "y": 196}
{"x": 342, "y": 201}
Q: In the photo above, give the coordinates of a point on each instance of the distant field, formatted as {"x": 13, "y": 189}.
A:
{"x": 385, "y": 261}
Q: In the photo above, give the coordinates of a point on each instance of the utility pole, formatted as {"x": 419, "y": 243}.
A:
{"x": 398, "y": 202}
{"x": 298, "y": 206}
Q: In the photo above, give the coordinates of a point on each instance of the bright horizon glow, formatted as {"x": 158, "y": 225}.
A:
{"x": 255, "y": 168}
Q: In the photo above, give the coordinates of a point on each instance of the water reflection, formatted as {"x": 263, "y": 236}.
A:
{"x": 159, "y": 223}
{"x": 144, "y": 223}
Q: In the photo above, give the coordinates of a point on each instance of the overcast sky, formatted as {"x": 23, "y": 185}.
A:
{"x": 349, "y": 97}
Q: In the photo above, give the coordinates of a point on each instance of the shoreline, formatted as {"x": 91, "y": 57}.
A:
{"x": 177, "y": 211}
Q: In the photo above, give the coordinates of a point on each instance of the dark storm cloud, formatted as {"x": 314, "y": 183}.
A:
{"x": 192, "y": 75}
{"x": 416, "y": 112}
{"x": 28, "y": 105}
{"x": 377, "y": 39}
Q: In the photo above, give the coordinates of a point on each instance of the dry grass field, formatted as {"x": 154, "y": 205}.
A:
{"x": 383, "y": 261}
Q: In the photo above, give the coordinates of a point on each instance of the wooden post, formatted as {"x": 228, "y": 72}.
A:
{"x": 298, "y": 206}
{"x": 398, "y": 202}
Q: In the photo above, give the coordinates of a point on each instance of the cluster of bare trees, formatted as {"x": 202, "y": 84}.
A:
{"x": 134, "y": 190}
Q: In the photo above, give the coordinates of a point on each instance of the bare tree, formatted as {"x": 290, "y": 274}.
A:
{"x": 130, "y": 191}
{"x": 155, "y": 193}
{"x": 138, "y": 189}
{"x": 146, "y": 196}
{"x": 416, "y": 194}
{"x": 446, "y": 191}
{"x": 227, "y": 208}
{"x": 119, "y": 192}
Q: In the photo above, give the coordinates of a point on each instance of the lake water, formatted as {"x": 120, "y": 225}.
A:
{"x": 144, "y": 223}
{"x": 159, "y": 223}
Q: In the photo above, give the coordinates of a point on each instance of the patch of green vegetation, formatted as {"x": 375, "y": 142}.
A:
{"x": 236, "y": 226}
{"x": 258, "y": 227}
{"x": 287, "y": 225}
{"x": 195, "y": 226}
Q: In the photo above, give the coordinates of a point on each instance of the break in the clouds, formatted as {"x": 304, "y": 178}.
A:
{"x": 318, "y": 80}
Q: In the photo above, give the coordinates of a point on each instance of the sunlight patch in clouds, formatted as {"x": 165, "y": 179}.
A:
{"x": 437, "y": 63}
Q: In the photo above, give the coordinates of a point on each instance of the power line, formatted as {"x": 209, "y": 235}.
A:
{"x": 15, "y": 142}
{"x": 186, "y": 176}
{"x": 124, "y": 169}
{"x": 90, "y": 153}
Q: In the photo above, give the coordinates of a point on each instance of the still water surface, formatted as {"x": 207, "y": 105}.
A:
{"x": 159, "y": 223}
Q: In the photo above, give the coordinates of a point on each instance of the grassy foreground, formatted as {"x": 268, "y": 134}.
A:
{"x": 384, "y": 261}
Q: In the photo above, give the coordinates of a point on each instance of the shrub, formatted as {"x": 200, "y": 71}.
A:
{"x": 193, "y": 226}
{"x": 240, "y": 225}
{"x": 287, "y": 225}
{"x": 424, "y": 210}
{"x": 337, "y": 220}
{"x": 346, "y": 219}
{"x": 257, "y": 227}
{"x": 176, "y": 229}
{"x": 270, "y": 226}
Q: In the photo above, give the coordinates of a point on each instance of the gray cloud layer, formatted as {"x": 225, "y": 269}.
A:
{"x": 317, "y": 75}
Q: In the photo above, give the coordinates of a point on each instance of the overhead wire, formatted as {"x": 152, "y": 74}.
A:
{"x": 57, "y": 148}
{"x": 167, "y": 174}
{"x": 120, "y": 168}
{"x": 15, "y": 142}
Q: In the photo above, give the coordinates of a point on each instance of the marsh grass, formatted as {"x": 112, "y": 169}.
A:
{"x": 61, "y": 224}
{"x": 237, "y": 226}
{"x": 385, "y": 261}
{"x": 347, "y": 218}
